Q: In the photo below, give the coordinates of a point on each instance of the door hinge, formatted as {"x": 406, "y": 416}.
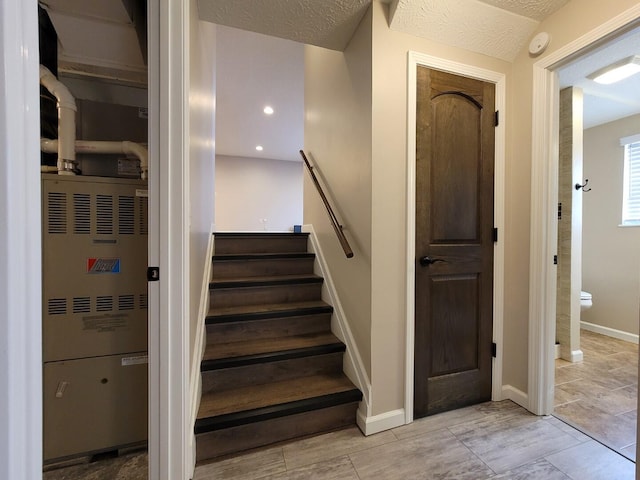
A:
{"x": 153, "y": 274}
{"x": 495, "y": 234}
{"x": 559, "y": 210}
{"x": 555, "y": 259}
{"x": 497, "y": 119}
{"x": 494, "y": 350}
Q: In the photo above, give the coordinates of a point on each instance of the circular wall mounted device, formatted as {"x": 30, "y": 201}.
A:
{"x": 539, "y": 43}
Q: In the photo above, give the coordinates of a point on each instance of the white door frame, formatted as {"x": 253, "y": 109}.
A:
{"x": 168, "y": 24}
{"x": 20, "y": 243}
{"x": 499, "y": 79}
{"x": 544, "y": 198}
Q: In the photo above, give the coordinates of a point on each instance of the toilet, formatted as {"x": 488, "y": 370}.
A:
{"x": 585, "y": 301}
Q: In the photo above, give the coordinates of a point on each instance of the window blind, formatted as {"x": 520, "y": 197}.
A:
{"x": 631, "y": 189}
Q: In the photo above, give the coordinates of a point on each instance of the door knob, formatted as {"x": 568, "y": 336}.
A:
{"x": 426, "y": 261}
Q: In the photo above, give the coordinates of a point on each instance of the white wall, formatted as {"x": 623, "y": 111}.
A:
{"x": 611, "y": 254}
{"x": 20, "y": 268}
{"x": 201, "y": 205}
{"x": 256, "y": 194}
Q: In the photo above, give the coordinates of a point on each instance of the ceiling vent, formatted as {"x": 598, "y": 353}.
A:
{"x": 106, "y": 39}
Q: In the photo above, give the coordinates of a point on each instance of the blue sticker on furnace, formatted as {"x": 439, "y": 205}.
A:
{"x": 103, "y": 265}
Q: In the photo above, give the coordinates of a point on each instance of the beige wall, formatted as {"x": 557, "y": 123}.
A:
{"x": 337, "y": 139}
{"x": 611, "y": 254}
{"x": 250, "y": 190}
{"x": 201, "y": 157}
{"x": 343, "y": 133}
{"x": 571, "y": 22}
{"x": 389, "y": 197}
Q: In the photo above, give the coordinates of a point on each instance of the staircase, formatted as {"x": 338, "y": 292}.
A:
{"x": 272, "y": 369}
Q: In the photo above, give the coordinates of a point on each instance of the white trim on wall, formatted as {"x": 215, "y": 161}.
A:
{"x": 610, "y": 332}
{"x": 544, "y": 195}
{"x": 169, "y": 402}
{"x": 352, "y": 363}
{"x": 20, "y": 244}
{"x": 499, "y": 79}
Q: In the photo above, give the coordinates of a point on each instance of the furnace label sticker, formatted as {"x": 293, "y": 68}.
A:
{"x": 103, "y": 265}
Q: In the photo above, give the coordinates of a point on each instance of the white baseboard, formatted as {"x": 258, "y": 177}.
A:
{"x": 353, "y": 365}
{"x": 380, "y": 423}
{"x": 195, "y": 383}
{"x": 610, "y": 332}
{"x": 515, "y": 395}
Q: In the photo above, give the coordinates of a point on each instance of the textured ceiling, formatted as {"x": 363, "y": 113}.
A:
{"x": 535, "y": 9}
{"x": 497, "y": 28}
{"x": 325, "y": 23}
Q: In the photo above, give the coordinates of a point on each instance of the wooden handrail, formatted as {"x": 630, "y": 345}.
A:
{"x": 344, "y": 243}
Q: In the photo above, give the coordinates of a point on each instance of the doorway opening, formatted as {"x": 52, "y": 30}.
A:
{"x": 596, "y": 374}
{"x": 544, "y": 206}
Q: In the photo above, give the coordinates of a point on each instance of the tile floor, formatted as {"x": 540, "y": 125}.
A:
{"x": 497, "y": 440}
{"x": 599, "y": 394}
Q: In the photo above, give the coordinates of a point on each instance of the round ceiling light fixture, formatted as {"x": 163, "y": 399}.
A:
{"x": 259, "y": 148}
{"x": 268, "y": 110}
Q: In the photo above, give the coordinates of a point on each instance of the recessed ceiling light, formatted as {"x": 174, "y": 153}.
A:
{"x": 617, "y": 71}
{"x": 259, "y": 148}
{"x": 268, "y": 110}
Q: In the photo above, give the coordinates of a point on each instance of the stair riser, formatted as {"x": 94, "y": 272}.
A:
{"x": 247, "y": 244}
{"x": 263, "y": 373}
{"x": 232, "y": 297}
{"x": 256, "y": 268}
{"x": 271, "y": 328}
{"x": 236, "y": 439}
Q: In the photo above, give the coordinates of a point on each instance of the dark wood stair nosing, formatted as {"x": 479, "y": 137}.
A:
{"x": 272, "y": 281}
{"x": 267, "y": 315}
{"x": 260, "y": 234}
{"x": 230, "y": 362}
{"x": 231, "y": 257}
{"x": 219, "y": 422}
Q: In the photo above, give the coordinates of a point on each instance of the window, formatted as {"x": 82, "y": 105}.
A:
{"x": 631, "y": 187}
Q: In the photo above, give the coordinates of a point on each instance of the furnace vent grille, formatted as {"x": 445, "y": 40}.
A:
{"x": 82, "y": 213}
{"x": 104, "y": 206}
{"x": 57, "y": 212}
{"x": 81, "y": 304}
{"x": 126, "y": 217}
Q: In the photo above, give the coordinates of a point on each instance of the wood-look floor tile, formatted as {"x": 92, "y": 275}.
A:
{"x": 436, "y": 455}
{"x": 335, "y": 469}
{"x": 540, "y": 469}
{"x": 249, "y": 466}
{"x": 568, "y": 374}
{"x": 616, "y": 431}
{"x": 509, "y": 444}
{"x": 331, "y": 445}
{"x": 565, "y": 427}
{"x": 629, "y": 452}
{"x": 488, "y": 411}
{"x": 592, "y": 461}
{"x": 580, "y": 389}
{"x": 130, "y": 466}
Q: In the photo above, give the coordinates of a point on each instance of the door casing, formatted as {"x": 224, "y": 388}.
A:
{"x": 499, "y": 79}
{"x": 544, "y": 198}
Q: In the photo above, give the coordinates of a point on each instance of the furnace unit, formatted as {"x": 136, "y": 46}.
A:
{"x": 94, "y": 314}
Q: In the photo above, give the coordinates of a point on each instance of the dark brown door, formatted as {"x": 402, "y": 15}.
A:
{"x": 454, "y": 241}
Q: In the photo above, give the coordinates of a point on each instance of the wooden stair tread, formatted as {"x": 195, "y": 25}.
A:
{"x": 284, "y": 309}
{"x": 259, "y": 396}
{"x": 232, "y": 257}
{"x": 268, "y": 345}
{"x": 237, "y": 282}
